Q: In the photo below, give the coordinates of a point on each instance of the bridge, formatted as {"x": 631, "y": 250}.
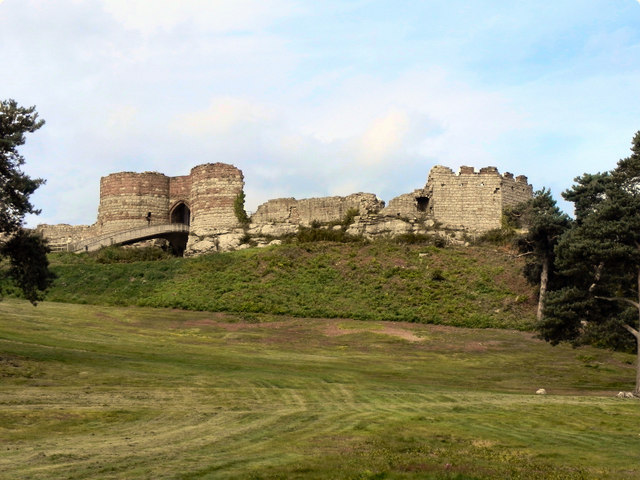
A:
{"x": 176, "y": 233}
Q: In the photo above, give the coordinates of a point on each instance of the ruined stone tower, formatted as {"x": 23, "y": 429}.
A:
{"x": 468, "y": 200}
{"x": 214, "y": 188}
{"x": 129, "y": 200}
{"x": 473, "y": 200}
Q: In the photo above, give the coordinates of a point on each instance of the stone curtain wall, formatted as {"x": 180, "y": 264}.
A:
{"x": 308, "y": 210}
{"x": 406, "y": 205}
{"x": 473, "y": 200}
{"x": 214, "y": 188}
{"x": 515, "y": 190}
{"x": 279, "y": 210}
{"x": 126, "y": 198}
{"x": 61, "y": 235}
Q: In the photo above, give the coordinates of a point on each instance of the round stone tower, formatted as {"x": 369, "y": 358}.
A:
{"x": 129, "y": 200}
{"x": 214, "y": 189}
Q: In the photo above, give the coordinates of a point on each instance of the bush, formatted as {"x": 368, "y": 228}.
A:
{"x": 437, "y": 275}
{"x": 350, "y": 216}
{"x": 319, "y": 234}
{"x": 498, "y": 236}
{"x": 238, "y": 209}
{"x": 440, "y": 241}
{"x": 413, "y": 239}
{"x": 129, "y": 255}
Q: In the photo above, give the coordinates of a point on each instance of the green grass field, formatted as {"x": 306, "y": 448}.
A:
{"x": 121, "y": 393}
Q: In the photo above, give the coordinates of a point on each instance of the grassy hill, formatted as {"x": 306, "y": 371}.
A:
{"x": 476, "y": 286}
{"x": 130, "y": 392}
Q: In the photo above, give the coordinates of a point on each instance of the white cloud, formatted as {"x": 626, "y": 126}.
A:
{"x": 384, "y": 136}
{"x": 355, "y": 96}
{"x": 122, "y": 118}
{"x": 224, "y": 115}
{"x": 219, "y": 16}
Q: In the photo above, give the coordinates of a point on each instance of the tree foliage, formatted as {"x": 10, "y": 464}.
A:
{"x": 238, "y": 209}
{"x": 599, "y": 261}
{"x": 25, "y": 250}
{"x": 545, "y": 223}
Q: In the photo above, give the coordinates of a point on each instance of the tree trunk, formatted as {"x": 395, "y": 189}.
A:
{"x": 544, "y": 280}
{"x": 636, "y": 392}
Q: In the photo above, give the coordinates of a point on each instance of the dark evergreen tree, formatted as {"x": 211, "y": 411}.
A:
{"x": 25, "y": 250}
{"x": 599, "y": 260}
{"x": 544, "y": 223}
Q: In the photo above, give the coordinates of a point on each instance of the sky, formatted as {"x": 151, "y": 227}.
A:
{"x": 314, "y": 98}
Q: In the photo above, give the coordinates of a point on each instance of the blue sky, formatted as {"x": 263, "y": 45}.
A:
{"x": 313, "y": 98}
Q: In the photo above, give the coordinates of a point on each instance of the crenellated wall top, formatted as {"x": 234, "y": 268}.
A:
{"x": 439, "y": 170}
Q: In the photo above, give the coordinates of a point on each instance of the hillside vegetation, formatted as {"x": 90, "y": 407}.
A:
{"x": 476, "y": 286}
{"x": 112, "y": 393}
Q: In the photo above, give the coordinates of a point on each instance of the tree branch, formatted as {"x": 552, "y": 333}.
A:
{"x": 596, "y": 277}
{"x": 632, "y": 330}
{"x": 619, "y": 299}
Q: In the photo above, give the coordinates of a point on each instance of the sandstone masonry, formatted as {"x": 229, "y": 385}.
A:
{"x": 309, "y": 210}
{"x": 468, "y": 200}
{"x": 203, "y": 203}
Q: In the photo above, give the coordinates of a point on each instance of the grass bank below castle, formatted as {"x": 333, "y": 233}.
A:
{"x": 476, "y": 286}
{"x": 121, "y": 392}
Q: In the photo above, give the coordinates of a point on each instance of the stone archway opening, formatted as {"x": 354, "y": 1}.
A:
{"x": 180, "y": 214}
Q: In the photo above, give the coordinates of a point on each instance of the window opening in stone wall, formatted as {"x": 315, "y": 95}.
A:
{"x": 181, "y": 214}
{"x": 422, "y": 203}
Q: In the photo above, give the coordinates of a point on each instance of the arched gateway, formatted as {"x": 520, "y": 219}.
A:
{"x": 180, "y": 213}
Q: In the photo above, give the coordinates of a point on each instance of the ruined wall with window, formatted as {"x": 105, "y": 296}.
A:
{"x": 467, "y": 200}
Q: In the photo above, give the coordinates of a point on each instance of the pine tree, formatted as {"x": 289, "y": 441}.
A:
{"x": 544, "y": 223}
{"x": 25, "y": 250}
{"x": 599, "y": 259}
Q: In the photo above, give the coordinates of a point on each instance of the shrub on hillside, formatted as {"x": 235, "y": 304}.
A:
{"x": 498, "y": 236}
{"x": 413, "y": 239}
{"x": 350, "y": 216}
{"x": 129, "y": 255}
{"x": 316, "y": 233}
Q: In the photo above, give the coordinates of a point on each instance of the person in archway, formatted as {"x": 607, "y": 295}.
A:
{"x": 148, "y": 218}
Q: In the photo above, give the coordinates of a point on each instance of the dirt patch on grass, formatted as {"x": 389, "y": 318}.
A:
{"x": 334, "y": 330}
{"x": 401, "y": 333}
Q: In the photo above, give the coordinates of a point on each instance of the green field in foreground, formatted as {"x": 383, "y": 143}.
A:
{"x": 113, "y": 393}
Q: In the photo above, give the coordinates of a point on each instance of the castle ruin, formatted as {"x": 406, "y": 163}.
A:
{"x": 196, "y": 212}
